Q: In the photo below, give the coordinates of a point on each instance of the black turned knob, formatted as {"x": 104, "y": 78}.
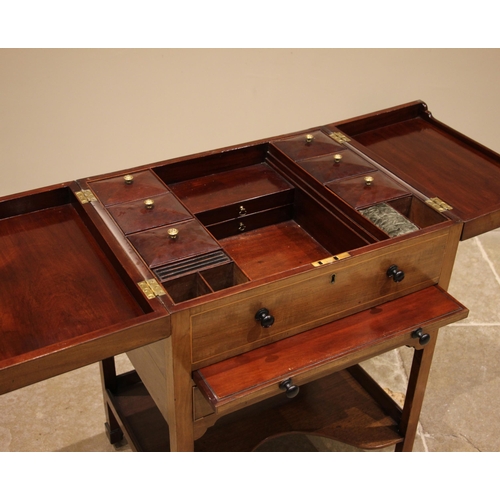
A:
{"x": 262, "y": 315}
{"x": 290, "y": 389}
{"x": 396, "y": 274}
{"x": 423, "y": 338}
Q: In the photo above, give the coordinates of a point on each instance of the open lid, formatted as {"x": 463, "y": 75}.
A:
{"x": 434, "y": 159}
{"x": 70, "y": 295}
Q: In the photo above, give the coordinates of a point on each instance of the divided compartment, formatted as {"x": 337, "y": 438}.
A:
{"x": 402, "y": 216}
{"x": 263, "y": 222}
{"x": 204, "y": 282}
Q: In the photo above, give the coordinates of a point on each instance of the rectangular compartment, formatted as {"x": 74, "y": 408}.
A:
{"x": 66, "y": 298}
{"x": 213, "y": 279}
{"x": 434, "y": 159}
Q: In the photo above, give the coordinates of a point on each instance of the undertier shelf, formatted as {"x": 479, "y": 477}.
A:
{"x": 335, "y": 407}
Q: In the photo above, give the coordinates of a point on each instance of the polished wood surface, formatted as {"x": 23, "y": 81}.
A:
{"x": 271, "y": 225}
{"x": 115, "y": 190}
{"x": 156, "y": 246}
{"x": 436, "y": 160}
{"x": 136, "y": 216}
{"x": 226, "y": 188}
{"x": 56, "y": 283}
{"x": 328, "y": 168}
{"x": 298, "y": 147}
{"x": 237, "y": 377}
{"x": 358, "y": 194}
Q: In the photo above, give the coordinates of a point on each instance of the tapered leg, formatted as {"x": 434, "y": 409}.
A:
{"x": 419, "y": 375}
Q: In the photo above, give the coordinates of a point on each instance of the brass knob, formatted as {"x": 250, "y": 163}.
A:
{"x": 337, "y": 158}
{"x": 149, "y": 204}
{"x": 241, "y": 227}
{"x": 173, "y": 232}
{"x": 368, "y": 180}
{"x": 128, "y": 179}
{"x": 309, "y": 138}
{"x": 243, "y": 210}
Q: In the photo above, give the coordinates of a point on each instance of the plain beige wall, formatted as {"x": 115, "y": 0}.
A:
{"x": 67, "y": 114}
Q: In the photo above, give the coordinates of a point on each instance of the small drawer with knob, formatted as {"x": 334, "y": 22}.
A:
{"x": 150, "y": 212}
{"x": 284, "y": 368}
{"x": 339, "y": 165}
{"x": 252, "y": 318}
{"x": 128, "y": 187}
{"x": 368, "y": 189}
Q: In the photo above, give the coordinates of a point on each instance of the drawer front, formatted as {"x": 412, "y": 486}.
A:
{"x": 315, "y": 298}
{"x": 148, "y": 213}
{"x": 367, "y": 190}
{"x": 128, "y": 187}
{"x": 290, "y": 363}
{"x": 250, "y": 222}
{"x": 246, "y": 207}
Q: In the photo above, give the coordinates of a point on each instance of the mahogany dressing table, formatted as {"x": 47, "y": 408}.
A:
{"x": 246, "y": 284}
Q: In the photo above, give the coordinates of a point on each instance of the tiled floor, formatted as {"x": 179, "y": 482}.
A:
{"x": 461, "y": 409}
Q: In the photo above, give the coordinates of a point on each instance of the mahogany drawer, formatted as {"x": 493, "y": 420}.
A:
{"x": 308, "y": 145}
{"x": 128, "y": 187}
{"x": 365, "y": 190}
{"x": 245, "y": 207}
{"x": 342, "y": 164}
{"x": 284, "y": 366}
{"x": 148, "y": 213}
{"x": 159, "y": 246}
{"x": 252, "y": 221}
{"x": 228, "y": 327}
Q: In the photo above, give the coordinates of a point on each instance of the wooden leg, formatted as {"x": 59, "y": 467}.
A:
{"x": 108, "y": 380}
{"x": 417, "y": 383}
{"x": 180, "y": 385}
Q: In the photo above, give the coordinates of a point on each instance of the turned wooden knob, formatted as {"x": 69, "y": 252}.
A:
{"x": 266, "y": 320}
{"x": 290, "y": 389}
{"x": 396, "y": 274}
{"x": 423, "y": 338}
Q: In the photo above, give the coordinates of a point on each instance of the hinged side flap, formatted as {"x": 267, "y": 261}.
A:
{"x": 434, "y": 159}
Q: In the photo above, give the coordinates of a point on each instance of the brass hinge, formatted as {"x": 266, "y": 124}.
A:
{"x": 438, "y": 204}
{"x": 332, "y": 258}
{"x": 151, "y": 288}
{"x": 339, "y": 137}
{"x": 85, "y": 196}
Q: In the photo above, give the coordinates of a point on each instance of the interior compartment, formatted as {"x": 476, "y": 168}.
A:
{"x": 206, "y": 281}
{"x": 187, "y": 287}
{"x": 402, "y": 216}
{"x": 225, "y": 276}
{"x": 309, "y": 233}
{"x": 60, "y": 280}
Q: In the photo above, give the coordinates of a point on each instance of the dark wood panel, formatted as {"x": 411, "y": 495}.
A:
{"x": 358, "y": 194}
{"x": 135, "y": 216}
{"x": 298, "y": 147}
{"x": 157, "y": 247}
{"x": 56, "y": 282}
{"x": 436, "y": 160}
{"x": 272, "y": 249}
{"x": 328, "y": 168}
{"x": 116, "y": 190}
{"x": 226, "y": 188}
